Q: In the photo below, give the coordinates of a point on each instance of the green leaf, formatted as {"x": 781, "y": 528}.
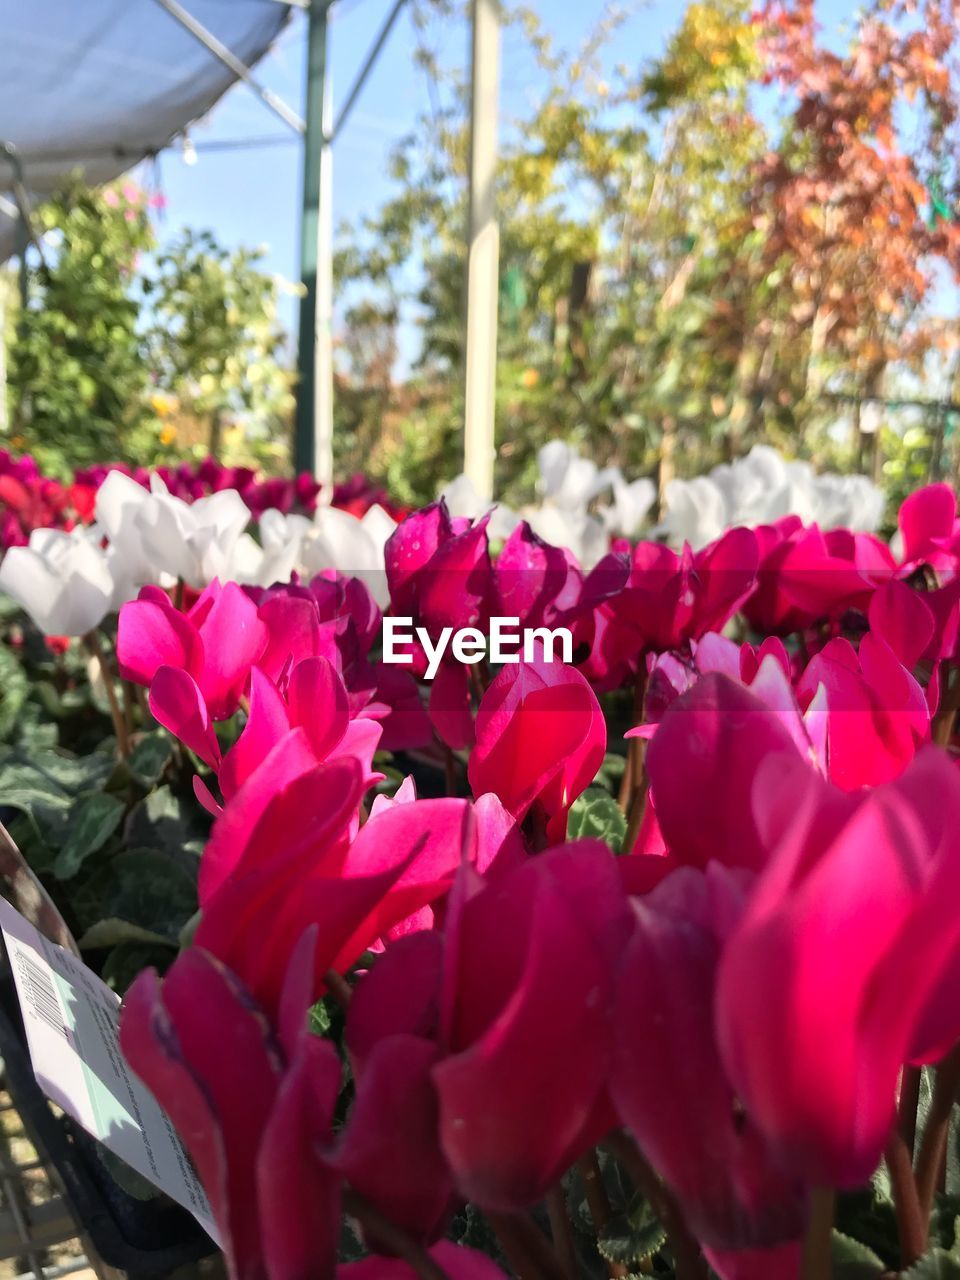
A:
{"x": 145, "y": 890}
{"x": 93, "y": 820}
{"x": 596, "y": 815}
{"x": 150, "y": 757}
{"x": 162, "y": 820}
{"x": 632, "y": 1236}
{"x": 320, "y": 1020}
{"x": 53, "y": 773}
{"x": 611, "y": 771}
{"x": 852, "y": 1260}
{"x": 128, "y": 959}
{"x": 111, "y": 931}
{"x": 935, "y": 1265}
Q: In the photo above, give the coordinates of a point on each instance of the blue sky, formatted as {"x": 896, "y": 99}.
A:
{"x": 251, "y": 196}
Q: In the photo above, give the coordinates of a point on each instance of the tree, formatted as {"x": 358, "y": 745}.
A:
{"x": 77, "y": 375}
{"x": 214, "y": 341}
{"x": 695, "y": 253}
{"x": 860, "y": 199}
{"x": 622, "y": 222}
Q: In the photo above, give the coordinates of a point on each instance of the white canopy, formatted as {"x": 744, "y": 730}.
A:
{"x": 94, "y": 86}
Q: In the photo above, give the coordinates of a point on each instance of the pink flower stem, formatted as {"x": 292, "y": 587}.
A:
{"x": 907, "y": 1106}
{"x": 339, "y": 988}
{"x": 525, "y": 1247}
{"x": 634, "y": 768}
{"x": 690, "y": 1262}
{"x": 92, "y": 642}
{"x": 816, "y": 1262}
{"x": 561, "y": 1231}
{"x": 912, "y": 1226}
{"x": 934, "y": 1145}
{"x": 599, "y": 1204}
{"x": 375, "y": 1223}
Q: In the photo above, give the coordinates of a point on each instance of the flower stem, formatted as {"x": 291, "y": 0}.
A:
{"x": 690, "y": 1262}
{"x": 397, "y": 1240}
{"x": 95, "y": 648}
{"x": 561, "y": 1231}
{"x": 907, "y": 1105}
{"x": 945, "y": 719}
{"x": 911, "y": 1223}
{"x": 525, "y": 1247}
{"x": 934, "y": 1145}
{"x": 817, "y": 1262}
{"x": 633, "y": 772}
{"x": 339, "y": 988}
{"x": 599, "y": 1204}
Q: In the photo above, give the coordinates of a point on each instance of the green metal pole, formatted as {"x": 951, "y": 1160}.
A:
{"x": 313, "y": 141}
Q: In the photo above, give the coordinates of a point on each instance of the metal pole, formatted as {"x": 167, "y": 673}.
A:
{"x": 367, "y": 67}
{"x": 230, "y": 60}
{"x": 24, "y": 234}
{"x": 323, "y": 390}
{"x": 483, "y": 251}
{"x": 310, "y": 218}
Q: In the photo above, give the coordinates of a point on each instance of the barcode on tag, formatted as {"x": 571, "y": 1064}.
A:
{"x": 40, "y": 991}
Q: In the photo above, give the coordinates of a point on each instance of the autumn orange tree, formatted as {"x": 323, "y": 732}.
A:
{"x": 858, "y": 203}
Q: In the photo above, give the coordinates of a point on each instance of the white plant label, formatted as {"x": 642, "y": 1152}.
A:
{"x": 70, "y": 1018}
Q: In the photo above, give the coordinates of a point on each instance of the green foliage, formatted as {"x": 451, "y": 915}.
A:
{"x": 853, "y": 1260}
{"x": 596, "y": 816}
{"x": 633, "y": 1236}
{"x": 92, "y": 820}
{"x": 77, "y": 374}
{"x": 623, "y": 256}
{"x": 935, "y": 1265}
{"x": 215, "y": 342}
{"x": 116, "y": 337}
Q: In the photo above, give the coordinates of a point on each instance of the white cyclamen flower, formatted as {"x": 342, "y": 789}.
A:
{"x": 338, "y": 540}
{"x": 62, "y": 580}
{"x": 464, "y": 502}
{"x": 160, "y": 538}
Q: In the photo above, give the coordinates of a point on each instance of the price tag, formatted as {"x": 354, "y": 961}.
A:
{"x": 70, "y": 1018}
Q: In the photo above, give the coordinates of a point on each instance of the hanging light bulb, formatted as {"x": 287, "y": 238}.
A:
{"x": 188, "y": 149}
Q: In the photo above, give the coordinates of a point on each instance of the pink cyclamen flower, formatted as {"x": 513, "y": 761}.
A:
{"x": 215, "y": 643}
{"x": 668, "y": 1083}
{"x": 843, "y": 965}
{"x": 440, "y": 575}
{"x": 526, "y": 1021}
{"x": 806, "y": 575}
{"x": 541, "y": 738}
{"x": 252, "y": 1103}
{"x": 669, "y": 600}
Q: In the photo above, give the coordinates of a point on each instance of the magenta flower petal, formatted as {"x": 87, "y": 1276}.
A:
{"x": 175, "y": 702}
{"x": 206, "y": 1054}
{"x": 267, "y": 723}
{"x": 702, "y": 762}
{"x": 233, "y": 637}
{"x": 394, "y": 1126}
{"x": 540, "y": 737}
{"x": 318, "y": 704}
{"x": 152, "y": 634}
{"x": 458, "y": 1262}
{"x": 298, "y": 1190}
